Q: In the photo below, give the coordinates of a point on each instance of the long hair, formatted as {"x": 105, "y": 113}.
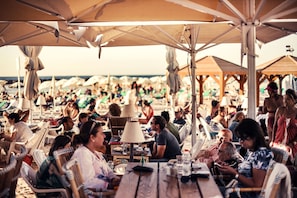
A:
{"x": 87, "y": 129}
{"x": 59, "y": 143}
{"x": 251, "y": 128}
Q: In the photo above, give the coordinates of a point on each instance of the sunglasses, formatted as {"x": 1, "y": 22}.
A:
{"x": 243, "y": 138}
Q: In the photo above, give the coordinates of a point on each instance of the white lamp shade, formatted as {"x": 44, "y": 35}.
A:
{"x": 24, "y": 104}
{"x": 128, "y": 111}
{"x": 132, "y": 133}
{"x": 225, "y": 102}
{"x": 41, "y": 100}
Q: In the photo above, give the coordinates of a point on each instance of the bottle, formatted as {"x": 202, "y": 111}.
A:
{"x": 186, "y": 174}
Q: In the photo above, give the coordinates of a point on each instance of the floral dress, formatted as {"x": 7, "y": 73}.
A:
{"x": 258, "y": 159}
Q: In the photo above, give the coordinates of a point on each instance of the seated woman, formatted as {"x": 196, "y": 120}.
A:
{"x": 48, "y": 175}
{"x": 251, "y": 172}
{"x": 71, "y": 110}
{"x": 96, "y": 173}
{"x": 19, "y": 130}
{"x": 147, "y": 111}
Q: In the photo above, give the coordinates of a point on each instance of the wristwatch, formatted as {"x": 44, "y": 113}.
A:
{"x": 236, "y": 176}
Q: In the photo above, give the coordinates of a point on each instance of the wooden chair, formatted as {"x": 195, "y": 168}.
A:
{"x": 38, "y": 139}
{"x": 277, "y": 175}
{"x": 62, "y": 156}
{"x": 29, "y": 175}
{"x": 116, "y": 125}
{"x": 73, "y": 173}
{"x": 20, "y": 153}
{"x": 8, "y": 148}
{"x": 6, "y": 175}
{"x": 39, "y": 157}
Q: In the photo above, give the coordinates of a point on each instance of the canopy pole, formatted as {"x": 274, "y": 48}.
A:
{"x": 251, "y": 38}
{"x": 18, "y": 67}
{"x": 193, "y": 73}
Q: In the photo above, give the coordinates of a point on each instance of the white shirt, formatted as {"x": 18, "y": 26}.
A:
{"x": 23, "y": 132}
{"x": 92, "y": 165}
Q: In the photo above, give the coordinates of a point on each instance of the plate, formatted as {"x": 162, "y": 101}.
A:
{"x": 120, "y": 169}
{"x": 118, "y": 149}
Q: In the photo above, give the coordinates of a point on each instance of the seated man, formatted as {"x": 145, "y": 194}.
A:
{"x": 69, "y": 128}
{"x": 179, "y": 117}
{"x": 166, "y": 145}
{"x": 170, "y": 126}
{"x": 209, "y": 153}
{"x": 227, "y": 155}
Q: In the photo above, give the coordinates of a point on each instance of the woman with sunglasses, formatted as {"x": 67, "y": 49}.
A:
{"x": 251, "y": 172}
{"x": 96, "y": 173}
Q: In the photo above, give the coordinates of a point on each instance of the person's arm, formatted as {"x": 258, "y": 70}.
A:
{"x": 160, "y": 151}
{"x": 255, "y": 181}
{"x": 265, "y": 106}
{"x": 9, "y": 138}
{"x": 274, "y": 128}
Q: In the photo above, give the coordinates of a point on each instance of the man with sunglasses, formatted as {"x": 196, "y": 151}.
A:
{"x": 166, "y": 145}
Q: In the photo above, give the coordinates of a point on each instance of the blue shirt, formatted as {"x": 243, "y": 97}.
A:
{"x": 258, "y": 159}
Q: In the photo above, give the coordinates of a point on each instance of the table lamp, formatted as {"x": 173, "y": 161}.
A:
{"x": 128, "y": 111}
{"x": 132, "y": 134}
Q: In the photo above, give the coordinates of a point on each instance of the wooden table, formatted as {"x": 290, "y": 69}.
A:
{"x": 119, "y": 155}
{"x": 158, "y": 185}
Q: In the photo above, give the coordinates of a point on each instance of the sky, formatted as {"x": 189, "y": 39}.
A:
{"x": 144, "y": 60}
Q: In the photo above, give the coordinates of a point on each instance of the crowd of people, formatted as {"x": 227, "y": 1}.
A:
{"x": 240, "y": 149}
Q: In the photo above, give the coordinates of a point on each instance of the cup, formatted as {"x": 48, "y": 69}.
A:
{"x": 179, "y": 164}
{"x": 125, "y": 149}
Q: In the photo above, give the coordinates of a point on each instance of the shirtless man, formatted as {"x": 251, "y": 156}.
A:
{"x": 271, "y": 103}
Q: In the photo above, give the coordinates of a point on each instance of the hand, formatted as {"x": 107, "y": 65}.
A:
{"x": 227, "y": 169}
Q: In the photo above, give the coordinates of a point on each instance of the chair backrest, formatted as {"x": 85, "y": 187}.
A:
{"x": 6, "y": 175}
{"x": 20, "y": 153}
{"x": 73, "y": 173}
{"x": 8, "y": 148}
{"x": 277, "y": 182}
{"x": 280, "y": 155}
{"x": 29, "y": 175}
{"x": 117, "y": 124}
{"x": 39, "y": 157}
{"x": 37, "y": 141}
{"x": 184, "y": 132}
{"x": 62, "y": 156}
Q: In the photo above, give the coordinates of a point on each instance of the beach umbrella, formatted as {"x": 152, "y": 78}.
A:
{"x": 74, "y": 82}
{"x": 92, "y": 80}
{"x": 33, "y": 64}
{"x": 45, "y": 85}
{"x": 173, "y": 79}
{"x": 109, "y": 80}
{"x": 144, "y": 81}
{"x": 3, "y": 82}
{"x": 61, "y": 82}
{"x": 125, "y": 80}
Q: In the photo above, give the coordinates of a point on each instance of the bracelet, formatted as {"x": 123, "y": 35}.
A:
{"x": 236, "y": 176}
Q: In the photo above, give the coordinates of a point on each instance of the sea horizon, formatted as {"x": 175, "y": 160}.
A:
{"x": 12, "y": 79}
